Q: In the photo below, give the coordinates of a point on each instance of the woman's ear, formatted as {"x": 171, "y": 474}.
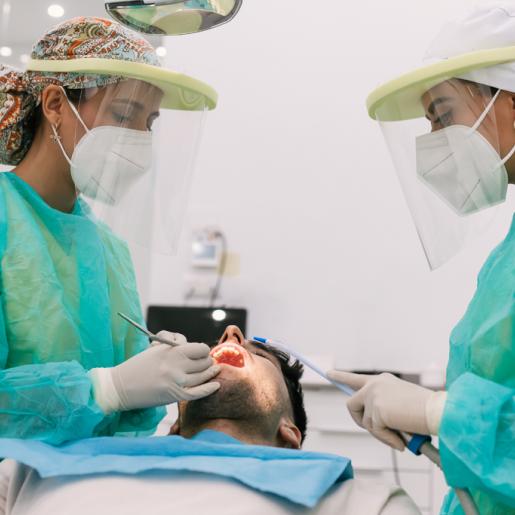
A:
{"x": 289, "y": 435}
{"x": 53, "y": 104}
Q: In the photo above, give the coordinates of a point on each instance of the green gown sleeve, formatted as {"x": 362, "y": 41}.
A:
{"x": 51, "y": 402}
{"x": 477, "y": 437}
{"x": 477, "y": 432}
{"x": 63, "y": 278}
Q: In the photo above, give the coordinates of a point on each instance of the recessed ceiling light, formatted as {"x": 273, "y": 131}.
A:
{"x": 161, "y": 51}
{"x": 55, "y": 10}
{"x": 24, "y": 58}
{"x": 6, "y": 51}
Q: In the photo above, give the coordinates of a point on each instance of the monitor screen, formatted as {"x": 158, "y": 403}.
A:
{"x": 197, "y": 324}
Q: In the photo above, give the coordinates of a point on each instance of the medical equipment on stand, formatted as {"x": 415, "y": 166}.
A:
{"x": 173, "y": 17}
{"x": 417, "y": 444}
{"x": 207, "y": 248}
{"x": 151, "y": 336}
{"x": 209, "y": 259}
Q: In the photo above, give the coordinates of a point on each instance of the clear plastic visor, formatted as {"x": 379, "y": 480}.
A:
{"x": 451, "y": 164}
{"x": 130, "y": 161}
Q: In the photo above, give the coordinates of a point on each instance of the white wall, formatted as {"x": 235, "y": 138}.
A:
{"x": 299, "y": 178}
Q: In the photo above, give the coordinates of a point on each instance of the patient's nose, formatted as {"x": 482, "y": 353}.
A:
{"x": 232, "y": 334}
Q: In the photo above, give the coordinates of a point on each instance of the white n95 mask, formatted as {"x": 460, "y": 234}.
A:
{"x": 462, "y": 167}
{"x": 108, "y": 161}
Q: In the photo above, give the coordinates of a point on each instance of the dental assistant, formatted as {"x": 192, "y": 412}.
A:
{"x": 76, "y": 127}
{"x": 450, "y": 127}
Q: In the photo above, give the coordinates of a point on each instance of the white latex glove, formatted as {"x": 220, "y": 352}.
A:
{"x": 171, "y": 338}
{"x": 384, "y": 403}
{"x": 160, "y": 375}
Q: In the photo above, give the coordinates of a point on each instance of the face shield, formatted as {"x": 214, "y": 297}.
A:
{"x": 131, "y": 132}
{"x": 449, "y": 140}
{"x": 114, "y": 162}
{"x": 173, "y": 17}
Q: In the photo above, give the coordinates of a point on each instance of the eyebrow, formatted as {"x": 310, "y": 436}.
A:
{"x": 133, "y": 103}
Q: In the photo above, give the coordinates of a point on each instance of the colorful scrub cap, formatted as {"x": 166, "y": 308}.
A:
{"x": 85, "y": 52}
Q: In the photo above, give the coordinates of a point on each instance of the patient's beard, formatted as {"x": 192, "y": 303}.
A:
{"x": 253, "y": 414}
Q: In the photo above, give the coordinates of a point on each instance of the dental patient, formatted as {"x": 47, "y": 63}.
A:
{"x": 237, "y": 451}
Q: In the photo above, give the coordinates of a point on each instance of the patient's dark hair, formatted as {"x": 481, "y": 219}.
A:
{"x": 292, "y": 372}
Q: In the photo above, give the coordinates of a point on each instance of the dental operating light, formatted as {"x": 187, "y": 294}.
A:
{"x": 173, "y": 17}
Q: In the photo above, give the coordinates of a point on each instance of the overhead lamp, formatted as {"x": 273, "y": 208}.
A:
{"x": 6, "y": 51}
{"x": 173, "y": 16}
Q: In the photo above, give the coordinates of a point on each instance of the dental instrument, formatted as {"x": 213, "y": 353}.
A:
{"x": 151, "y": 336}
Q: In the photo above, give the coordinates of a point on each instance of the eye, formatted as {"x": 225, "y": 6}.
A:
{"x": 261, "y": 353}
{"x": 121, "y": 118}
{"x": 444, "y": 119}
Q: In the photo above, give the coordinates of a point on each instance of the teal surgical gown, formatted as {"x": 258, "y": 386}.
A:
{"x": 477, "y": 433}
{"x": 63, "y": 278}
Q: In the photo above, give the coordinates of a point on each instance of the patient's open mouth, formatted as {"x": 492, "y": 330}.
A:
{"x": 228, "y": 354}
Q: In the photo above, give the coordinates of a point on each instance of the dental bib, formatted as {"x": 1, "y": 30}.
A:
{"x": 267, "y": 469}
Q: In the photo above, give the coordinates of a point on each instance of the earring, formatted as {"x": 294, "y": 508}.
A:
{"x": 55, "y": 136}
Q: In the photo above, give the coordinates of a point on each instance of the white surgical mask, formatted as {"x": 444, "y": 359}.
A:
{"x": 107, "y": 161}
{"x": 462, "y": 167}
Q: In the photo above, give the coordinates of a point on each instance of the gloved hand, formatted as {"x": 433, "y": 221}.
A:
{"x": 160, "y": 375}
{"x": 384, "y": 403}
{"x": 171, "y": 338}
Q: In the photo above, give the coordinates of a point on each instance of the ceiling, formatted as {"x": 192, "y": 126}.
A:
{"x": 22, "y": 22}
